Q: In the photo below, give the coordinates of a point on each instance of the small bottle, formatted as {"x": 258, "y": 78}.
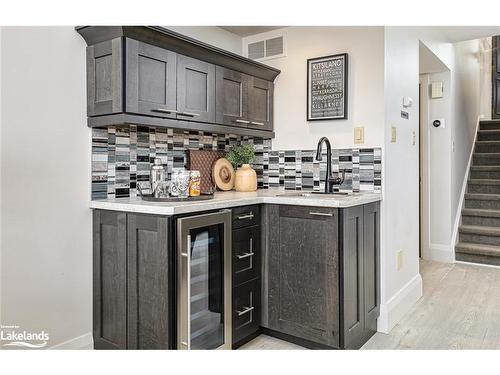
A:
{"x": 194, "y": 184}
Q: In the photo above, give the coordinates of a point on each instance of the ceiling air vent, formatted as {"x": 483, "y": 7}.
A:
{"x": 256, "y": 50}
{"x": 267, "y": 48}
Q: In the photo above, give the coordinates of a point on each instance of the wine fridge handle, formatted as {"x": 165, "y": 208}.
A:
{"x": 187, "y": 341}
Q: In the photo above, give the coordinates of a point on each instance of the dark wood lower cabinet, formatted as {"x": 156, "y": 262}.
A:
{"x": 131, "y": 289}
{"x": 148, "y": 286}
{"x": 303, "y": 273}
{"x": 322, "y": 274}
{"x": 309, "y": 275}
{"x": 246, "y": 310}
{"x": 110, "y": 280}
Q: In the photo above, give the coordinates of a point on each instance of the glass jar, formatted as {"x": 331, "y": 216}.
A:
{"x": 174, "y": 183}
{"x": 183, "y": 184}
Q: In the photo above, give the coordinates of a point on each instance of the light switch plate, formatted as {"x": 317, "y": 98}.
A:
{"x": 359, "y": 135}
{"x": 400, "y": 260}
{"x": 393, "y": 134}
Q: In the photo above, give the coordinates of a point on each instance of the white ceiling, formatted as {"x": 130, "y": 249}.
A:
{"x": 452, "y": 34}
{"x": 455, "y": 34}
{"x": 249, "y": 30}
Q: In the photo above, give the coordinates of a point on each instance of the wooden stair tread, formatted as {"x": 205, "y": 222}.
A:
{"x": 477, "y": 249}
{"x": 479, "y": 229}
{"x": 484, "y": 181}
{"x": 480, "y": 212}
{"x": 484, "y": 197}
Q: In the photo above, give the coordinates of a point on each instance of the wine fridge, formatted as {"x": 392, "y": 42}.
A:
{"x": 204, "y": 281}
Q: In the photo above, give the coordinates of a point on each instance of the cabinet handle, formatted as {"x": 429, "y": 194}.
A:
{"x": 190, "y": 114}
{"x": 257, "y": 123}
{"x": 186, "y": 343}
{"x": 243, "y": 217}
{"x": 242, "y": 121}
{"x": 164, "y": 110}
{"x": 246, "y": 255}
{"x": 320, "y": 214}
{"x": 245, "y": 311}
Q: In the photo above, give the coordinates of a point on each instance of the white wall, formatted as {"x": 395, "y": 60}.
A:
{"x": 439, "y": 164}
{"x": 45, "y": 183}
{"x": 212, "y": 35}
{"x": 400, "y": 289}
{"x": 366, "y": 101}
{"x": 400, "y": 208}
{"x": 450, "y": 148}
{"x": 467, "y": 98}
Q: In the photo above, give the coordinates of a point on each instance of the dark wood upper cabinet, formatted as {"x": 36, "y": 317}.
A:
{"x": 195, "y": 89}
{"x": 232, "y": 97}
{"x": 150, "y": 80}
{"x": 260, "y": 104}
{"x": 152, "y": 76}
{"x": 104, "y": 78}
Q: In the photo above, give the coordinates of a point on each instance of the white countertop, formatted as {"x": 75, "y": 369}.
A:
{"x": 233, "y": 199}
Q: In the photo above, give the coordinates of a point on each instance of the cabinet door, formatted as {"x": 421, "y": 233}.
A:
{"x": 231, "y": 97}
{"x": 104, "y": 78}
{"x": 371, "y": 264}
{"x": 353, "y": 280}
{"x": 246, "y": 254}
{"x": 246, "y": 310}
{"x": 260, "y": 104}
{"x": 148, "y": 275}
{"x": 109, "y": 280}
{"x": 195, "y": 90}
{"x": 151, "y": 80}
{"x": 303, "y": 273}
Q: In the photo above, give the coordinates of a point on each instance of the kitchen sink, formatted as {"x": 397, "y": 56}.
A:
{"x": 314, "y": 194}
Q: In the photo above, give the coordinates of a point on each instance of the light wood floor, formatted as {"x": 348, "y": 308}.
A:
{"x": 460, "y": 309}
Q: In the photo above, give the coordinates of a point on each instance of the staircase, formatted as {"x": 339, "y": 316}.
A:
{"x": 479, "y": 233}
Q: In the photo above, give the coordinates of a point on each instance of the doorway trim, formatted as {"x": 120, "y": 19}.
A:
{"x": 424, "y": 157}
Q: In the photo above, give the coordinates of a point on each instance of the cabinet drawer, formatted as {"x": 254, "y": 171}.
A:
{"x": 246, "y": 216}
{"x": 246, "y": 254}
{"x": 246, "y": 309}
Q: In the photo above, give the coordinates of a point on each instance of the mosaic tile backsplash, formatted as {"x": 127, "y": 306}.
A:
{"x": 121, "y": 158}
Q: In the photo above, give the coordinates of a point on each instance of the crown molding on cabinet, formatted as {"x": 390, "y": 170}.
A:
{"x": 168, "y": 39}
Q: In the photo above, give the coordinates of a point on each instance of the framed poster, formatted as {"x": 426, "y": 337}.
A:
{"x": 327, "y": 88}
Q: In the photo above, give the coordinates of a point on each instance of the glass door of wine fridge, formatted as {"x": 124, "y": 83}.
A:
{"x": 204, "y": 281}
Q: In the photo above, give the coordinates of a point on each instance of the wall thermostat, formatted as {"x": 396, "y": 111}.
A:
{"x": 438, "y": 122}
{"x": 437, "y": 89}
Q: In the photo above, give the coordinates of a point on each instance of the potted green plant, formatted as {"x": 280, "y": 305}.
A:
{"x": 241, "y": 156}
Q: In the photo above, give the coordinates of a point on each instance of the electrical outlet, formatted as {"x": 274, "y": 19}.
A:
{"x": 413, "y": 138}
{"x": 393, "y": 134}
{"x": 359, "y": 135}
{"x": 399, "y": 260}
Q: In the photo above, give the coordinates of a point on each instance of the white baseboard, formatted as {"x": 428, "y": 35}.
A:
{"x": 398, "y": 305}
{"x": 83, "y": 342}
{"x": 440, "y": 253}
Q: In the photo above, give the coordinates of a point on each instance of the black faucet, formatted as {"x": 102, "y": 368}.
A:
{"x": 330, "y": 180}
